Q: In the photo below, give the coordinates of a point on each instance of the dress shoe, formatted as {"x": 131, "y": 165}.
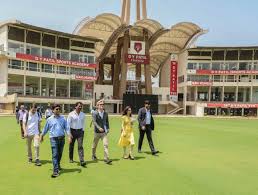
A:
{"x": 83, "y": 163}
{"x": 94, "y": 158}
{"x": 155, "y": 152}
{"x": 108, "y": 161}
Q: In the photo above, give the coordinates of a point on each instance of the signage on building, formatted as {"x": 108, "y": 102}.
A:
{"x": 85, "y": 78}
{"x": 54, "y": 61}
{"x": 136, "y": 53}
{"x": 200, "y": 83}
{"x": 173, "y": 78}
{"x": 223, "y": 72}
{"x": 231, "y": 105}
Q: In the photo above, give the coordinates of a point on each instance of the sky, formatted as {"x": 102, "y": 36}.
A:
{"x": 229, "y": 22}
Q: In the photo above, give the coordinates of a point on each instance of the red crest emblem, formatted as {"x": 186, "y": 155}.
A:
{"x": 138, "y": 47}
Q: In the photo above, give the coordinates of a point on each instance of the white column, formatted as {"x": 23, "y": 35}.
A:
{"x": 251, "y": 94}
{"x": 244, "y": 95}
{"x": 195, "y": 93}
{"x": 24, "y": 86}
{"x": 144, "y": 9}
{"x": 55, "y": 88}
{"x": 69, "y": 87}
{"x": 47, "y": 87}
{"x": 222, "y": 94}
{"x": 185, "y": 99}
{"x": 83, "y": 89}
{"x": 128, "y": 10}
{"x": 40, "y": 86}
{"x": 209, "y": 96}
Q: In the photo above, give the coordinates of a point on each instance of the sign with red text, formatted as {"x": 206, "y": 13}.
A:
{"x": 200, "y": 83}
{"x": 222, "y": 72}
{"x": 231, "y": 105}
{"x": 136, "y": 53}
{"x": 173, "y": 78}
{"x": 54, "y": 61}
{"x": 85, "y": 78}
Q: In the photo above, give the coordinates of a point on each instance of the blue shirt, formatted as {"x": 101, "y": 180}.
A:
{"x": 148, "y": 117}
{"x": 56, "y": 125}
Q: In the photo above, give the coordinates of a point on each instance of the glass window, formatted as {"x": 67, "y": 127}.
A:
{"x": 217, "y": 78}
{"x": 232, "y": 65}
{"x": 16, "y": 64}
{"x": 46, "y": 53}
{"x": 31, "y": 66}
{"x": 15, "y": 47}
{"x": 61, "y": 70}
{"x": 64, "y": 55}
{"x": 47, "y": 68}
{"x": 243, "y": 66}
{"x": 215, "y": 66}
{"x": 230, "y": 78}
{"x": 204, "y": 66}
{"x": 75, "y": 57}
{"x": 33, "y": 50}
{"x": 190, "y": 66}
{"x": 255, "y": 66}
{"x": 91, "y": 59}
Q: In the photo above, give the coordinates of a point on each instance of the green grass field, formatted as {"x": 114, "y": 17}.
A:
{"x": 198, "y": 156}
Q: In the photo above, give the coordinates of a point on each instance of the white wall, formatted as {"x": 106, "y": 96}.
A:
{"x": 3, "y": 37}
{"x": 106, "y": 89}
{"x": 164, "y": 91}
{"x": 3, "y": 76}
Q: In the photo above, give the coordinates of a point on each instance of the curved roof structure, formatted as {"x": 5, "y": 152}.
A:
{"x": 109, "y": 27}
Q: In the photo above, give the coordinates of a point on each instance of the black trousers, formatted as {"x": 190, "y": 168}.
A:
{"x": 149, "y": 137}
{"x": 78, "y": 135}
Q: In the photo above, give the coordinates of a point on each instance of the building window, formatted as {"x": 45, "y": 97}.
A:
{"x": 61, "y": 70}
{"x": 91, "y": 59}
{"x": 204, "y": 66}
{"x": 46, "y": 53}
{"x": 64, "y": 55}
{"x": 16, "y": 64}
{"x": 16, "y": 34}
{"x": 15, "y": 47}
{"x": 217, "y": 78}
{"x": 47, "y": 68}
{"x": 33, "y": 50}
{"x": 215, "y": 66}
{"x": 32, "y": 66}
{"x": 243, "y": 66}
{"x": 192, "y": 66}
{"x": 75, "y": 57}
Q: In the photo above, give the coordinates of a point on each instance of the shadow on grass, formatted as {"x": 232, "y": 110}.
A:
{"x": 64, "y": 171}
{"x": 150, "y": 153}
{"x": 43, "y": 162}
{"x": 138, "y": 157}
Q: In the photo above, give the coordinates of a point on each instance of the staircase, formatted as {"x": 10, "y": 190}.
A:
{"x": 176, "y": 108}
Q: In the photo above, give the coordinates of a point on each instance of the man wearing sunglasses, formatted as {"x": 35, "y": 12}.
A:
{"x": 101, "y": 129}
{"x": 57, "y": 127}
{"x": 76, "y": 123}
{"x": 146, "y": 125}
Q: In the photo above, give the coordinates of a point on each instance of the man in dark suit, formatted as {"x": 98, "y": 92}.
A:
{"x": 101, "y": 129}
{"x": 146, "y": 125}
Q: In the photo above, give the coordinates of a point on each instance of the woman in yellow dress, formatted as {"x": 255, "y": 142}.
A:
{"x": 127, "y": 138}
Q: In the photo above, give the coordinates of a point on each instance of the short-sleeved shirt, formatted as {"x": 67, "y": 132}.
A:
{"x": 32, "y": 123}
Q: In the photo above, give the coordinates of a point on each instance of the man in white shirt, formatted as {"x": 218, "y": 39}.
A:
{"x": 31, "y": 126}
{"x": 76, "y": 123}
{"x": 48, "y": 113}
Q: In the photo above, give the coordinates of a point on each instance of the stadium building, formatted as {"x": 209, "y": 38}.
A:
{"x": 109, "y": 58}
{"x": 45, "y": 66}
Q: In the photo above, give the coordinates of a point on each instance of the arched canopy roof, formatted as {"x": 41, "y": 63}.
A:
{"x": 109, "y": 27}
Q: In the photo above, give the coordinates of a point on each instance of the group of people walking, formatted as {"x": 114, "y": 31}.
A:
{"x": 73, "y": 127}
